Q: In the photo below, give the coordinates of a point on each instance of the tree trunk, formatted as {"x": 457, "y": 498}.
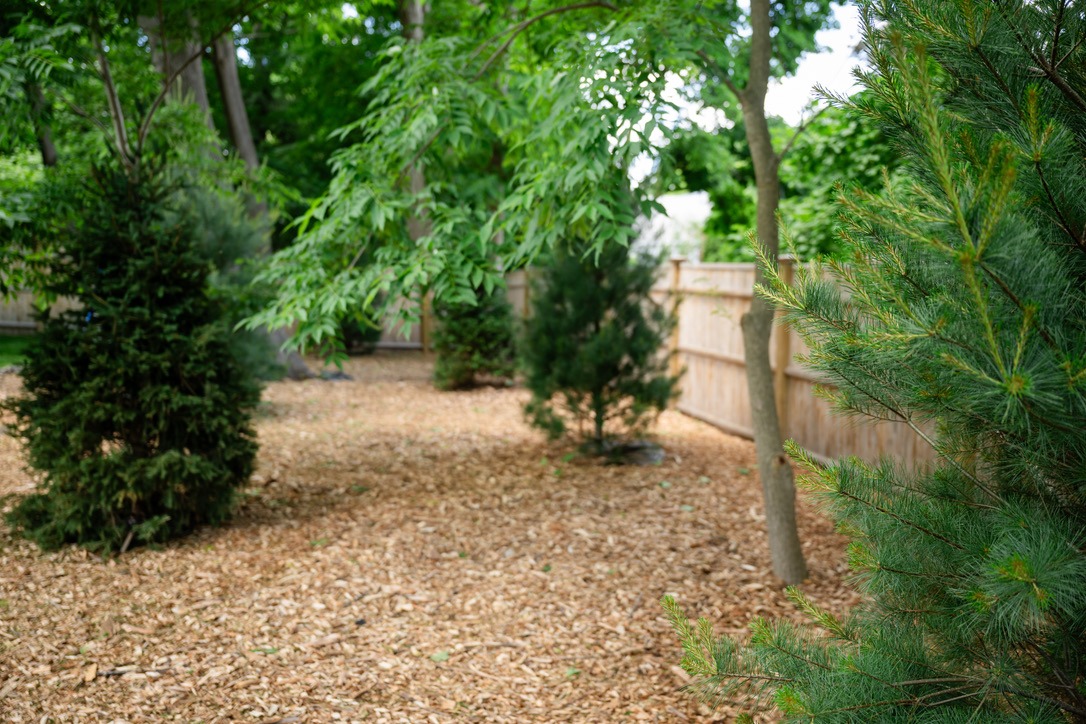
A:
{"x": 295, "y": 365}
{"x": 44, "y": 134}
{"x": 169, "y": 54}
{"x": 774, "y": 467}
{"x": 237, "y": 118}
{"x": 412, "y": 16}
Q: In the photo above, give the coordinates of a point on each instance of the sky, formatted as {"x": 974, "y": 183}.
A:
{"x": 831, "y": 68}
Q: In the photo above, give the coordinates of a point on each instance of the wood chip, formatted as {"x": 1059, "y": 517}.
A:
{"x": 443, "y": 524}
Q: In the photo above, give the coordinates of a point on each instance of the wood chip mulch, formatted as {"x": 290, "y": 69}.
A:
{"x": 406, "y": 555}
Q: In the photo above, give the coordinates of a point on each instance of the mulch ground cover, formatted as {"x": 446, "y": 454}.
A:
{"x": 406, "y": 555}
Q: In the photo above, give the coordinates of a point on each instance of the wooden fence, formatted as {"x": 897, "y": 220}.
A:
{"x": 709, "y": 345}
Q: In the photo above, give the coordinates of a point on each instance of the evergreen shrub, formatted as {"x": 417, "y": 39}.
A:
{"x": 473, "y": 340}
{"x": 593, "y": 346}
{"x": 135, "y": 412}
{"x": 962, "y": 314}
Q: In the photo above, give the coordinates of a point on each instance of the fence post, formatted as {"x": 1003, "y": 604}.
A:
{"x": 674, "y": 364}
{"x": 782, "y": 354}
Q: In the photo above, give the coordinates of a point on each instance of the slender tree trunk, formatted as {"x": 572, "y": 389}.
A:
{"x": 774, "y": 467}
{"x": 237, "y": 121}
{"x": 237, "y": 118}
{"x": 412, "y": 16}
{"x": 169, "y": 54}
{"x": 38, "y": 108}
{"x": 113, "y": 102}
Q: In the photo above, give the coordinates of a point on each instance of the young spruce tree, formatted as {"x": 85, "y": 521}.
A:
{"x": 592, "y": 347}
{"x": 135, "y": 410}
{"x": 962, "y": 311}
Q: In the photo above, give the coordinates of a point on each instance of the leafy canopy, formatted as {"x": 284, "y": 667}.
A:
{"x": 515, "y": 117}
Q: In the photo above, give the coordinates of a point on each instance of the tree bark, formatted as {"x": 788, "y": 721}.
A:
{"x": 774, "y": 467}
{"x": 169, "y": 54}
{"x": 412, "y": 16}
{"x": 237, "y": 117}
{"x": 38, "y": 108}
{"x": 241, "y": 134}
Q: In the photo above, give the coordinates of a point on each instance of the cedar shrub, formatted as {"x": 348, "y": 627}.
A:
{"x": 135, "y": 413}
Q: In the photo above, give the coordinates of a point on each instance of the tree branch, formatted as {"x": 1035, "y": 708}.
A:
{"x": 421, "y": 150}
{"x": 1057, "y": 33}
{"x": 79, "y": 111}
{"x": 523, "y": 25}
{"x": 116, "y": 112}
{"x": 799, "y": 131}
{"x": 725, "y": 77}
{"x": 1050, "y": 71}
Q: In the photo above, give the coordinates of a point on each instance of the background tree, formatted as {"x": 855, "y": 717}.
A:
{"x": 135, "y": 409}
{"x": 581, "y": 96}
{"x": 837, "y": 147}
{"x": 961, "y": 311}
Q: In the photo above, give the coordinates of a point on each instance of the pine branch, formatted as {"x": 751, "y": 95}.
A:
{"x": 1080, "y": 240}
{"x": 1062, "y": 8}
{"x": 1049, "y": 71}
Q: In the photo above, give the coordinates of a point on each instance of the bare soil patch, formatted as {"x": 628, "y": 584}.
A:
{"x": 406, "y": 555}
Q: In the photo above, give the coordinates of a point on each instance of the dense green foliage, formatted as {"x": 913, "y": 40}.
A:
{"x": 962, "y": 314}
{"x": 837, "y": 148}
{"x": 135, "y": 409}
{"x": 474, "y": 341}
{"x": 592, "y": 346}
{"x": 515, "y": 117}
{"x": 305, "y": 63}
